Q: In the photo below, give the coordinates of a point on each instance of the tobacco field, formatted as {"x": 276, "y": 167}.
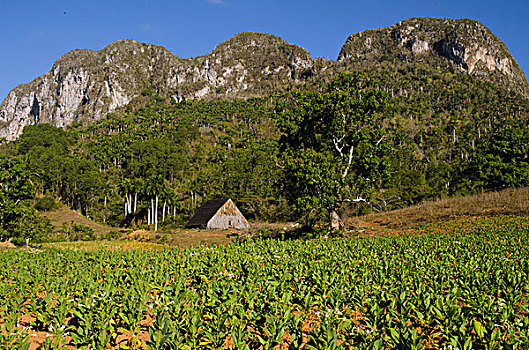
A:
{"x": 462, "y": 284}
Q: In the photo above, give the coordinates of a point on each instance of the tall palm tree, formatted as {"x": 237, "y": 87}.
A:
{"x": 154, "y": 186}
{"x": 136, "y": 185}
{"x": 124, "y": 189}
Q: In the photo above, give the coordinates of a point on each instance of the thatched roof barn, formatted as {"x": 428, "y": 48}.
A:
{"x": 218, "y": 213}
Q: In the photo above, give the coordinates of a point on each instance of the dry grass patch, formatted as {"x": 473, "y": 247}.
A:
{"x": 64, "y": 215}
{"x": 194, "y": 237}
{"x": 506, "y": 202}
{"x": 182, "y": 237}
{"x": 108, "y": 245}
{"x": 149, "y": 240}
{"x": 7, "y": 245}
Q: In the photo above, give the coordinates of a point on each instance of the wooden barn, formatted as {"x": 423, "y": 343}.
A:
{"x": 218, "y": 213}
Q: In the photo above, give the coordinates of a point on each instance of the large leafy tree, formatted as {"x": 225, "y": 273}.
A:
{"x": 14, "y": 181}
{"x": 333, "y": 144}
{"x": 45, "y": 150}
{"x": 18, "y": 219}
{"x": 500, "y": 160}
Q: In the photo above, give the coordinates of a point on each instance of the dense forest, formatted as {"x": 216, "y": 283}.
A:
{"x": 155, "y": 161}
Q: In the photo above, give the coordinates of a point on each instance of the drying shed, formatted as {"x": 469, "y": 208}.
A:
{"x": 218, "y": 213}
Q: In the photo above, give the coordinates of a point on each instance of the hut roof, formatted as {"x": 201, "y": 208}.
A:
{"x": 206, "y": 212}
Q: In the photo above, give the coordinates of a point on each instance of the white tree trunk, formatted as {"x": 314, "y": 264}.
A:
{"x": 334, "y": 220}
{"x": 163, "y": 211}
{"x": 135, "y": 201}
{"x": 156, "y": 215}
{"x": 152, "y": 210}
{"x": 148, "y": 216}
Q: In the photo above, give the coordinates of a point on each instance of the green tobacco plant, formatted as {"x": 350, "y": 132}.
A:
{"x": 460, "y": 284}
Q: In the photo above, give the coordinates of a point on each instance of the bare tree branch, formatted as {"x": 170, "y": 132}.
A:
{"x": 336, "y": 144}
{"x": 356, "y": 200}
{"x": 348, "y": 163}
{"x": 382, "y": 138}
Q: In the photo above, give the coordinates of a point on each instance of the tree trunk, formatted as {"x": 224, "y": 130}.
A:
{"x": 135, "y": 201}
{"x": 152, "y": 210}
{"x": 163, "y": 211}
{"x": 334, "y": 220}
{"x": 148, "y": 216}
{"x": 156, "y": 215}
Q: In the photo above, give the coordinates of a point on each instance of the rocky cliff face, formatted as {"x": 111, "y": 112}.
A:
{"x": 85, "y": 85}
{"x": 461, "y": 45}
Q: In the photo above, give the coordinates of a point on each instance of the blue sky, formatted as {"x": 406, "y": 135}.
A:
{"x": 33, "y": 34}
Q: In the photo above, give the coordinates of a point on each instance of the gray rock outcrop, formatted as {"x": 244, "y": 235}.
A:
{"x": 461, "y": 45}
{"x": 84, "y": 85}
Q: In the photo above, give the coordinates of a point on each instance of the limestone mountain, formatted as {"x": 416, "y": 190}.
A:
{"x": 85, "y": 85}
{"x": 460, "y": 45}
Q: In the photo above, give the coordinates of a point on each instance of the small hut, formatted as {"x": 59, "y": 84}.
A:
{"x": 218, "y": 213}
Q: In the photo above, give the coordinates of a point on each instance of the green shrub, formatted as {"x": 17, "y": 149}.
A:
{"x": 114, "y": 234}
{"x": 45, "y": 203}
{"x": 18, "y": 241}
{"x": 75, "y": 232}
{"x": 174, "y": 222}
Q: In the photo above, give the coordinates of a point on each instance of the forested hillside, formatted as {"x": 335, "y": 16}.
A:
{"x": 180, "y": 153}
{"x": 157, "y": 160}
{"x": 444, "y": 124}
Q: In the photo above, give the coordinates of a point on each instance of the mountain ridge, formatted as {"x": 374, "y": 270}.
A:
{"x": 84, "y": 85}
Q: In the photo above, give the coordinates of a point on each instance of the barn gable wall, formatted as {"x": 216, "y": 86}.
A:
{"x": 228, "y": 216}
